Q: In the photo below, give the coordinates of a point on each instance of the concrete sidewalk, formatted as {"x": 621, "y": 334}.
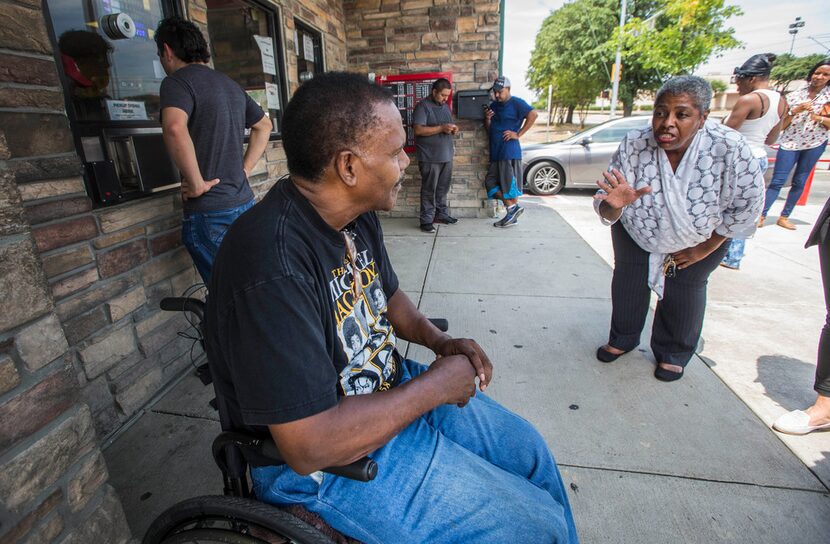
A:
{"x": 645, "y": 461}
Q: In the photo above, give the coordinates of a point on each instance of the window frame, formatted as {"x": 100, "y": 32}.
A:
{"x": 314, "y": 32}
{"x": 82, "y": 129}
{"x": 276, "y": 27}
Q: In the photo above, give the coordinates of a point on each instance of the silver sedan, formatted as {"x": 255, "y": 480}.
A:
{"x": 578, "y": 161}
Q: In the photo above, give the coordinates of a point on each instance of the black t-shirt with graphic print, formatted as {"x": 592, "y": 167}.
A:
{"x": 286, "y": 331}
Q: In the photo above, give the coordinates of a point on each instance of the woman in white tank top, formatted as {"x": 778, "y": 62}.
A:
{"x": 757, "y": 115}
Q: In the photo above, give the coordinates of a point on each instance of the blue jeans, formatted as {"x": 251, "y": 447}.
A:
{"x": 735, "y": 252}
{"x": 454, "y": 475}
{"x": 806, "y": 159}
{"x": 202, "y": 232}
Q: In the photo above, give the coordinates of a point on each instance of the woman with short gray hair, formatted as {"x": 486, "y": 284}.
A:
{"x": 673, "y": 194}
{"x": 697, "y": 89}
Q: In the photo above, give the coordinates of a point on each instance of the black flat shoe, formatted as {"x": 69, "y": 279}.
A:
{"x": 427, "y": 227}
{"x": 446, "y": 220}
{"x": 606, "y": 356}
{"x": 665, "y": 375}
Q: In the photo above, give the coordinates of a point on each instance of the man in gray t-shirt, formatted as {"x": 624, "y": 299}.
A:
{"x": 434, "y": 129}
{"x": 204, "y": 114}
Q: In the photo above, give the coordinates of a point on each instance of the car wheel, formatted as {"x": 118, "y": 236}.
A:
{"x": 545, "y": 178}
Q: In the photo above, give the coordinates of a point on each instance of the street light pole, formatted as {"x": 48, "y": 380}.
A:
{"x": 794, "y": 30}
{"x": 615, "y": 84}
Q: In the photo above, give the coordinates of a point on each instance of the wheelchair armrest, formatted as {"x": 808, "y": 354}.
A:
{"x": 441, "y": 323}
{"x": 362, "y": 470}
{"x": 183, "y": 304}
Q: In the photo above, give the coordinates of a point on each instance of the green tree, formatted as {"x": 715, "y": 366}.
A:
{"x": 575, "y": 47}
{"x": 717, "y": 85}
{"x": 569, "y": 54}
{"x": 664, "y": 38}
{"x": 788, "y": 69}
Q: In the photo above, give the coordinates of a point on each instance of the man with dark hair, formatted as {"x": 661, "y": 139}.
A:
{"x": 204, "y": 115}
{"x": 506, "y": 119}
{"x": 434, "y": 129}
{"x": 291, "y": 273}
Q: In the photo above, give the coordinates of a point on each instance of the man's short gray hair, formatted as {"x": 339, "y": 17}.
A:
{"x": 697, "y": 88}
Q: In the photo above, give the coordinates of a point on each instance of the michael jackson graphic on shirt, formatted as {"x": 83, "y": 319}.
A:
{"x": 366, "y": 336}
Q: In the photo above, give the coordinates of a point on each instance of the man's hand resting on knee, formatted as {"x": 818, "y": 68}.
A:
{"x": 457, "y": 376}
{"x": 474, "y": 353}
{"x": 340, "y": 435}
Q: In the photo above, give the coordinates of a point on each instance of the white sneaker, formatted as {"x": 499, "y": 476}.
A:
{"x": 797, "y": 422}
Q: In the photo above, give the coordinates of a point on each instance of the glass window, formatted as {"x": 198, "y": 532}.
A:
{"x": 309, "y": 46}
{"x": 108, "y": 57}
{"x": 244, "y": 45}
{"x": 618, "y": 131}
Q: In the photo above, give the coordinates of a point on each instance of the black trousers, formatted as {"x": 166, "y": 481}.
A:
{"x": 822, "y": 385}
{"x": 678, "y": 319}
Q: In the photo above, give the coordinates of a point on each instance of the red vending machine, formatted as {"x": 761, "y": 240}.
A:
{"x": 408, "y": 90}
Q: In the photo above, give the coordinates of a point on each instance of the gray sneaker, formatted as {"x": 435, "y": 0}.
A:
{"x": 511, "y": 218}
{"x": 500, "y": 222}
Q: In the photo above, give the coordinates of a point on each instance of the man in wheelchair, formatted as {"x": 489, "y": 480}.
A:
{"x": 303, "y": 349}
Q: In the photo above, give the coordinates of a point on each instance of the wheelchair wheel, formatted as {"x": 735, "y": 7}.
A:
{"x": 218, "y": 519}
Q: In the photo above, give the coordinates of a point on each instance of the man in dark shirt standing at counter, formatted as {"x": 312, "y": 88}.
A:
{"x": 204, "y": 115}
{"x": 434, "y": 129}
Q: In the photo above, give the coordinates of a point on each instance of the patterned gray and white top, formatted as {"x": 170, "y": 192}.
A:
{"x": 717, "y": 187}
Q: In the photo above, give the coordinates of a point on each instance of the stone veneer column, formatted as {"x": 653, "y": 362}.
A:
{"x": 458, "y": 36}
{"x": 52, "y": 474}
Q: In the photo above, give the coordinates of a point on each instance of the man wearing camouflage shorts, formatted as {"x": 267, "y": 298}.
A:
{"x": 506, "y": 119}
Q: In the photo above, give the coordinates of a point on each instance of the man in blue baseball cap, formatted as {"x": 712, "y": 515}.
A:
{"x": 507, "y": 119}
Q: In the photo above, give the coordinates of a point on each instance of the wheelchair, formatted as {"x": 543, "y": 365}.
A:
{"x": 237, "y": 517}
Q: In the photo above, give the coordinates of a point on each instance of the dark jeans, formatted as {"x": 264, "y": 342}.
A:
{"x": 436, "y": 178}
{"x": 678, "y": 320}
{"x": 202, "y": 232}
{"x": 805, "y": 160}
{"x": 822, "y": 385}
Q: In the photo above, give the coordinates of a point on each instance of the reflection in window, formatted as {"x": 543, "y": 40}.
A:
{"x": 109, "y": 77}
{"x": 309, "y": 47}
{"x": 242, "y": 41}
{"x": 617, "y": 132}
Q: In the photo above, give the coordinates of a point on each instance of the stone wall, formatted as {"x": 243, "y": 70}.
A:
{"x": 83, "y": 345}
{"x": 459, "y": 36}
{"x": 52, "y": 475}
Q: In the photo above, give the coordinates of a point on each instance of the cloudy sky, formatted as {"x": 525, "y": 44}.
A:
{"x": 763, "y": 28}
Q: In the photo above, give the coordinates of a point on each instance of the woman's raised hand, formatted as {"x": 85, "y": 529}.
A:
{"x": 804, "y": 106}
{"x": 619, "y": 193}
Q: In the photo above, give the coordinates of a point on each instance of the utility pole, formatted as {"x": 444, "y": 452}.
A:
{"x": 550, "y": 112}
{"x": 794, "y": 30}
{"x": 615, "y": 84}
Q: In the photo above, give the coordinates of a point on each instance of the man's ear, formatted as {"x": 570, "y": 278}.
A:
{"x": 345, "y": 164}
{"x": 167, "y": 51}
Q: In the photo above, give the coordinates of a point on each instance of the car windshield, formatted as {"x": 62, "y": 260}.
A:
{"x": 611, "y": 131}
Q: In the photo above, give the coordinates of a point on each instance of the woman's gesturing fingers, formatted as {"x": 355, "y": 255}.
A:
{"x": 644, "y": 190}
{"x": 611, "y": 179}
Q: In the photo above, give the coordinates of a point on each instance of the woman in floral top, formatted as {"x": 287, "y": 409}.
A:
{"x": 803, "y": 140}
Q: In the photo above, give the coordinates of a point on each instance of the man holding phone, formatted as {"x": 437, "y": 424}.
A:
{"x": 507, "y": 119}
{"x": 434, "y": 129}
